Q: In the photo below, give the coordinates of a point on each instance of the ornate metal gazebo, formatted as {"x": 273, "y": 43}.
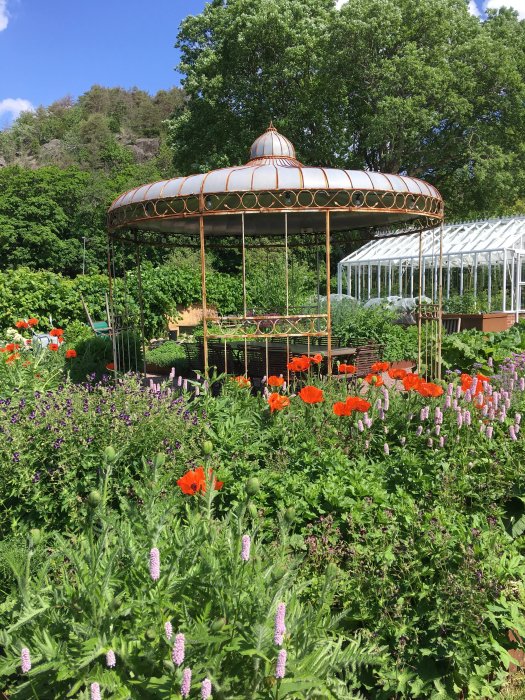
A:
{"x": 272, "y": 196}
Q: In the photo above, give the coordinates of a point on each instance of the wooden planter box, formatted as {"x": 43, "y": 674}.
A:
{"x": 489, "y": 323}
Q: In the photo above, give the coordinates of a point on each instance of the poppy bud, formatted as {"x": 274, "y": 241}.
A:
{"x": 94, "y": 498}
{"x": 289, "y": 514}
{"x": 151, "y": 633}
{"x": 252, "y": 510}
{"x": 36, "y": 536}
{"x": 278, "y": 573}
{"x": 110, "y": 454}
{"x": 207, "y": 447}
{"x": 160, "y": 459}
{"x": 252, "y": 487}
{"x": 218, "y": 625}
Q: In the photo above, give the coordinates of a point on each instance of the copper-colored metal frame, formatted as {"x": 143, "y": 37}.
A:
{"x": 291, "y": 201}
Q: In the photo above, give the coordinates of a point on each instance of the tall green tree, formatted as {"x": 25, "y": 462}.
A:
{"x": 409, "y": 86}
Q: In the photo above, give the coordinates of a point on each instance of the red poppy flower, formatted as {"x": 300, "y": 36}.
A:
{"x": 242, "y": 381}
{"x": 347, "y": 369}
{"x": 317, "y": 358}
{"x": 194, "y": 482}
{"x": 298, "y": 364}
{"x": 275, "y": 381}
{"x": 412, "y": 381}
{"x": 32, "y": 321}
{"x": 466, "y": 382}
{"x": 356, "y": 403}
{"x": 341, "y": 408}
{"x": 311, "y": 394}
{"x": 53, "y": 347}
{"x": 380, "y": 366}
{"x": 110, "y": 366}
{"x": 277, "y": 402}
{"x": 429, "y": 389}
{"x": 397, "y": 373}
{"x": 11, "y": 347}
{"x": 70, "y": 353}
{"x": 12, "y": 358}
{"x": 56, "y": 332}
{"x": 374, "y": 379}
{"x": 22, "y": 324}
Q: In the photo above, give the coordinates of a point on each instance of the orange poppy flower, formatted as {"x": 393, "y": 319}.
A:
{"x": 275, "y": 381}
{"x": 11, "y": 347}
{"x": 380, "y": 366}
{"x": 412, "y": 381}
{"x": 430, "y": 389}
{"x": 341, "y": 408}
{"x": 317, "y": 359}
{"x": 32, "y": 321}
{"x": 311, "y": 394}
{"x": 22, "y": 324}
{"x": 397, "y": 373}
{"x": 356, "y": 403}
{"x": 242, "y": 381}
{"x": 53, "y": 347}
{"x": 56, "y": 332}
{"x": 195, "y": 481}
{"x": 277, "y": 402}
{"x": 12, "y": 358}
{"x": 298, "y": 364}
{"x": 374, "y": 379}
{"x": 466, "y": 382}
{"x": 347, "y": 369}
{"x": 110, "y": 366}
{"x": 70, "y": 353}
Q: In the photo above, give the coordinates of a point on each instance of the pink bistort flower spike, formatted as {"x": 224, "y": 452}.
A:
{"x": 168, "y": 630}
{"x": 245, "y": 550}
{"x": 280, "y": 668}
{"x": 154, "y": 564}
{"x": 386, "y": 448}
{"x": 489, "y": 432}
{"x": 25, "y": 660}
{"x": 177, "y": 655}
{"x": 279, "y": 627}
{"x": 111, "y": 660}
{"x": 186, "y": 683}
{"x": 206, "y": 689}
{"x": 95, "y": 691}
{"x": 512, "y": 433}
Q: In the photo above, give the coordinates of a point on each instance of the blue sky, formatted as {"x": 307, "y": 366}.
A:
{"x": 53, "y": 48}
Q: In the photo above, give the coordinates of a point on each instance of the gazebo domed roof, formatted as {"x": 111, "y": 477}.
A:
{"x": 274, "y": 181}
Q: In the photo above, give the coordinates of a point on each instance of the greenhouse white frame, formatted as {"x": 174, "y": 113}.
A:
{"x": 478, "y": 256}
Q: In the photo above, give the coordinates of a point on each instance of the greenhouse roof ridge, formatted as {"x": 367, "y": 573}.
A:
{"x": 468, "y": 237}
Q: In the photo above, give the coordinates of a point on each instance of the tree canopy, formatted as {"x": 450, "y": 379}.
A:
{"x": 406, "y": 86}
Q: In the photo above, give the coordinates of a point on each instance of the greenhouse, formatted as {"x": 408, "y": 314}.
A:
{"x": 479, "y": 259}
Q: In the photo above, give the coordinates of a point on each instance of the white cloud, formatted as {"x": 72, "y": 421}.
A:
{"x": 14, "y": 106}
{"x": 4, "y": 17}
{"x": 518, "y": 5}
{"x": 473, "y": 9}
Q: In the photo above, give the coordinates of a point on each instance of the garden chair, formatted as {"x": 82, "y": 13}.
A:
{"x": 452, "y": 325}
{"x": 102, "y": 328}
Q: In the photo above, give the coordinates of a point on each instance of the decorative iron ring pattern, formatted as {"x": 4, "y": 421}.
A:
{"x": 315, "y": 326}
{"x": 192, "y": 206}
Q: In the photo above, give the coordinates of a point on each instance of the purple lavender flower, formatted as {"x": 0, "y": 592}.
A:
{"x": 177, "y": 655}
{"x": 154, "y": 564}
{"x": 280, "y": 667}
{"x": 95, "y": 691}
{"x": 186, "y": 683}
{"x": 111, "y": 660}
{"x": 168, "y": 630}
{"x": 246, "y": 544}
{"x": 279, "y": 627}
{"x": 206, "y": 689}
{"x": 25, "y": 660}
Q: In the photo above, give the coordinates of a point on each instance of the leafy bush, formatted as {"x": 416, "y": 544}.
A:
{"x": 168, "y": 354}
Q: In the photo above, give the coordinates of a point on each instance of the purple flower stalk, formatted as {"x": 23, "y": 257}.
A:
{"x": 25, "y": 660}
{"x": 280, "y": 667}
{"x": 489, "y": 432}
{"x": 517, "y": 418}
{"x": 168, "y": 629}
{"x": 206, "y": 689}
{"x": 459, "y": 419}
{"x": 185, "y": 686}
{"x": 442, "y": 441}
{"x": 450, "y": 389}
{"x": 111, "y": 660}
{"x": 154, "y": 564}
{"x": 419, "y": 430}
{"x": 360, "y": 426}
{"x": 467, "y": 417}
{"x": 438, "y": 429}
{"x": 177, "y": 655}
{"x": 522, "y": 384}
{"x": 95, "y": 691}
{"x": 386, "y": 448}
{"x": 512, "y": 433}
{"x": 468, "y": 396}
{"x": 279, "y": 627}
{"x": 245, "y": 550}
